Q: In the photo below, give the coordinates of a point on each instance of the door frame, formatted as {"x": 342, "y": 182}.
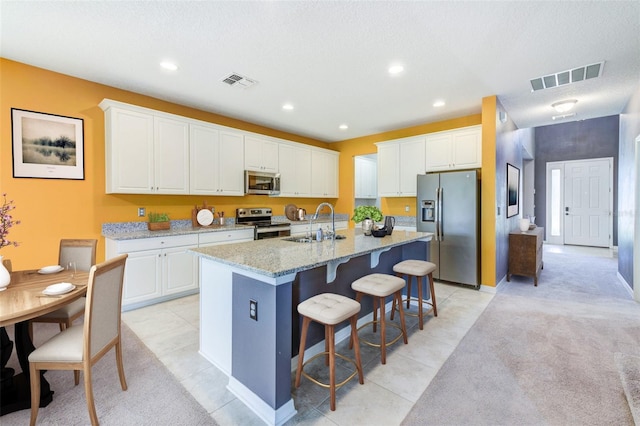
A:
{"x": 559, "y": 165}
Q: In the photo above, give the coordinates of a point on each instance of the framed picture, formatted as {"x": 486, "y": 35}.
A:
{"x": 47, "y": 146}
{"x": 513, "y": 190}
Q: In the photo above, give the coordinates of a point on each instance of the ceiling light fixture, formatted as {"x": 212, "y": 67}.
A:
{"x": 343, "y": 127}
{"x": 563, "y": 116}
{"x": 170, "y": 66}
{"x": 438, "y": 104}
{"x": 395, "y": 69}
{"x": 564, "y": 106}
{"x": 287, "y": 107}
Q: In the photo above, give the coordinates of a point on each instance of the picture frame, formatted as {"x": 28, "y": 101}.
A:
{"x": 47, "y": 146}
{"x": 513, "y": 190}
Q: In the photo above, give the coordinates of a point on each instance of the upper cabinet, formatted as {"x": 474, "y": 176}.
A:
{"x": 399, "y": 162}
{"x": 295, "y": 170}
{"x": 454, "y": 149}
{"x": 324, "y": 174}
{"x": 260, "y": 154}
{"x": 145, "y": 154}
{"x": 217, "y": 161}
{"x": 366, "y": 177}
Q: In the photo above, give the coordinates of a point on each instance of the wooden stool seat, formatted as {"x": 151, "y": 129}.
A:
{"x": 418, "y": 269}
{"x": 380, "y": 286}
{"x": 329, "y": 310}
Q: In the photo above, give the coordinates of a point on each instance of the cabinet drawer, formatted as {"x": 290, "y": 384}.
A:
{"x": 225, "y": 236}
{"x": 128, "y": 246}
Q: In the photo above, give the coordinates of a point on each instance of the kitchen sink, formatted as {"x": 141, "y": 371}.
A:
{"x": 309, "y": 240}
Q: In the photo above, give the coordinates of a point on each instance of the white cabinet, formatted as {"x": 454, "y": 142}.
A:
{"x": 324, "y": 173}
{"x": 158, "y": 268}
{"x": 454, "y": 149}
{"x": 145, "y": 153}
{"x": 225, "y": 237}
{"x": 399, "y": 163}
{"x": 217, "y": 161}
{"x": 366, "y": 178}
{"x": 295, "y": 170}
{"x": 260, "y": 154}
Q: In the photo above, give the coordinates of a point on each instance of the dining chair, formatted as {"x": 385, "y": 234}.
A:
{"x": 79, "y": 347}
{"x": 83, "y": 252}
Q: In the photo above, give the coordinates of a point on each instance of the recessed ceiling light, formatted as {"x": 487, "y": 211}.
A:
{"x": 395, "y": 69}
{"x": 343, "y": 127}
{"x": 168, "y": 65}
{"x": 438, "y": 104}
{"x": 287, "y": 107}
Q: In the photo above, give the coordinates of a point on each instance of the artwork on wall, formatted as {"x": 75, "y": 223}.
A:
{"x": 47, "y": 146}
{"x": 513, "y": 190}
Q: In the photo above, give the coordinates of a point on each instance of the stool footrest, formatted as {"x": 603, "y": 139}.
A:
{"x": 326, "y": 385}
{"x": 415, "y": 299}
{"x": 377, "y": 345}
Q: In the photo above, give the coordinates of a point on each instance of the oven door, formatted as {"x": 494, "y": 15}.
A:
{"x": 263, "y": 233}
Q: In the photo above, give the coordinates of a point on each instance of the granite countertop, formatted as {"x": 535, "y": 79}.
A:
{"x": 277, "y": 257}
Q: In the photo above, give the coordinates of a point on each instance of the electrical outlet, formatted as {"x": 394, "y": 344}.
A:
{"x": 406, "y": 208}
{"x": 142, "y": 212}
{"x": 253, "y": 309}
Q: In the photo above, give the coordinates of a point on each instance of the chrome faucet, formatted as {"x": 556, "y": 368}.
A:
{"x": 333, "y": 219}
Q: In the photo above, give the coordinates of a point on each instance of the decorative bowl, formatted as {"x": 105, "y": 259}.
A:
{"x": 379, "y": 232}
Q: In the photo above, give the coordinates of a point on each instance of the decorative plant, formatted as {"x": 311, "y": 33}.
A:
{"x": 6, "y": 222}
{"x": 158, "y": 217}
{"x": 361, "y": 213}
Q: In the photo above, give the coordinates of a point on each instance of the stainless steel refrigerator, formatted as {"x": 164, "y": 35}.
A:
{"x": 448, "y": 206}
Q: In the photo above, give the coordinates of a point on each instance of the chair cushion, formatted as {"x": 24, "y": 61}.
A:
{"x": 380, "y": 285}
{"x": 329, "y": 308}
{"x": 67, "y": 311}
{"x": 63, "y": 347}
{"x": 414, "y": 267}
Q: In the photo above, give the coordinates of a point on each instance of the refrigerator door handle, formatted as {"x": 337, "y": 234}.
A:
{"x": 439, "y": 214}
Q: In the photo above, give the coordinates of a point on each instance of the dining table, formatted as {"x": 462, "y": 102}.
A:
{"x": 23, "y": 300}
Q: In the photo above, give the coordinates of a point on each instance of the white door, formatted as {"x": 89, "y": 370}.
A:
{"x": 586, "y": 200}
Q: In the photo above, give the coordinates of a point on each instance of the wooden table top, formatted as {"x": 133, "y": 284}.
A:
{"x": 23, "y": 299}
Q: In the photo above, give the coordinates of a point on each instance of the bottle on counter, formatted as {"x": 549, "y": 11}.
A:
{"x": 319, "y": 236}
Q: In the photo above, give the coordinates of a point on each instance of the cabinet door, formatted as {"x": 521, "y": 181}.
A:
{"x": 142, "y": 277}
{"x": 467, "y": 149}
{"x": 179, "y": 270}
{"x": 204, "y": 145}
{"x": 295, "y": 171}
{"x": 388, "y": 173}
{"x": 171, "y": 156}
{"x": 260, "y": 154}
{"x": 129, "y": 152}
{"x": 369, "y": 177}
{"x": 438, "y": 152}
{"x": 324, "y": 172}
{"x": 231, "y": 164}
{"x": 411, "y": 165}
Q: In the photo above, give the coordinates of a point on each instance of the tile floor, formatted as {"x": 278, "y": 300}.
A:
{"x": 170, "y": 330}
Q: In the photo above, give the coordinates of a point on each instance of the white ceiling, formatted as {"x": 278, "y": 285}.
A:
{"x": 330, "y": 59}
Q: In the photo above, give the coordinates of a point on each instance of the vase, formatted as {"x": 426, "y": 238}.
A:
{"x": 524, "y": 225}
{"x": 5, "y": 276}
{"x": 367, "y": 224}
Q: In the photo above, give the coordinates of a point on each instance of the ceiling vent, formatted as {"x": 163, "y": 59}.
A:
{"x": 567, "y": 77}
{"x": 237, "y": 80}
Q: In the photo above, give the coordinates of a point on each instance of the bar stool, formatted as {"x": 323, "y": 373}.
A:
{"x": 329, "y": 310}
{"x": 418, "y": 269}
{"x": 380, "y": 286}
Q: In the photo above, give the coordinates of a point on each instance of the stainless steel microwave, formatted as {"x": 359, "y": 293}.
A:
{"x": 261, "y": 183}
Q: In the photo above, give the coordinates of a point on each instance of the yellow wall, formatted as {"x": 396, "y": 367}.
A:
{"x": 488, "y": 193}
{"x": 50, "y": 209}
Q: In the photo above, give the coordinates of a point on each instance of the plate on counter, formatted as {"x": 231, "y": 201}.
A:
{"x": 290, "y": 211}
{"x": 57, "y": 289}
{"x": 50, "y": 269}
{"x": 205, "y": 217}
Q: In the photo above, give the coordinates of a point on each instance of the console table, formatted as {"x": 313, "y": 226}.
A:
{"x": 525, "y": 253}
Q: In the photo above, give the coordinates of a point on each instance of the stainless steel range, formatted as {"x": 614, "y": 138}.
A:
{"x": 260, "y": 218}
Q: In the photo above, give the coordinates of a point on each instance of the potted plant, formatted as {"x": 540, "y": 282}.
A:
{"x": 367, "y": 215}
{"x": 158, "y": 221}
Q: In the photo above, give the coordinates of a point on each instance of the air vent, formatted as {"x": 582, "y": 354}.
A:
{"x": 237, "y": 80}
{"x": 567, "y": 77}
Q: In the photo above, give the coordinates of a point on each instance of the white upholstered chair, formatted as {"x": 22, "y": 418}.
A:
{"x": 83, "y": 252}
{"x": 79, "y": 347}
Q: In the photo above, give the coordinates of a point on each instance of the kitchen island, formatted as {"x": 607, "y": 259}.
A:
{"x": 249, "y": 326}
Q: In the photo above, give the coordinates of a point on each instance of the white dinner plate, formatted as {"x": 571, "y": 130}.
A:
{"x": 51, "y": 269}
{"x": 56, "y": 289}
{"x": 205, "y": 217}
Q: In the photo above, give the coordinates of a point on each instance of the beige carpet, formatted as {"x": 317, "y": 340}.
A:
{"x": 541, "y": 355}
{"x": 154, "y": 396}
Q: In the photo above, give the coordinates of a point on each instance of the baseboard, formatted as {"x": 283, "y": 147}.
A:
{"x": 268, "y": 414}
{"x": 626, "y": 285}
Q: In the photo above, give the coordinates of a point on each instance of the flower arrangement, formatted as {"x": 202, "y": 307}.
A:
{"x": 6, "y": 222}
{"x": 361, "y": 213}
